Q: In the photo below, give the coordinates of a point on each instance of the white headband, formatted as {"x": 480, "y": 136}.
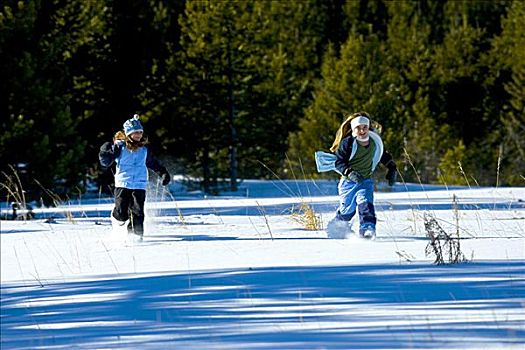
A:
{"x": 359, "y": 121}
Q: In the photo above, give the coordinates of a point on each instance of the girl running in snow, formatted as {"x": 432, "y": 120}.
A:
{"x": 358, "y": 150}
{"x": 133, "y": 158}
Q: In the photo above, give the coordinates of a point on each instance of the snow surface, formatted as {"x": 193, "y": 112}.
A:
{"x": 239, "y": 272}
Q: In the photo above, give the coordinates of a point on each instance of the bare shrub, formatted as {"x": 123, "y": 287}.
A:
{"x": 445, "y": 247}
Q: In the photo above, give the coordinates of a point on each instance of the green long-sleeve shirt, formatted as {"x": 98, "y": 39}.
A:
{"x": 362, "y": 160}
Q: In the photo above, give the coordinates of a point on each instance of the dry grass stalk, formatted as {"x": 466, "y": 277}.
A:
{"x": 499, "y": 164}
{"x": 405, "y": 255}
{"x": 307, "y": 217}
{"x": 409, "y": 160}
{"x": 57, "y": 201}
{"x": 263, "y": 213}
{"x": 305, "y": 214}
{"x": 16, "y": 193}
{"x": 464, "y": 174}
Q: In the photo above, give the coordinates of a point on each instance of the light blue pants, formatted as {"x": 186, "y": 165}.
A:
{"x": 358, "y": 196}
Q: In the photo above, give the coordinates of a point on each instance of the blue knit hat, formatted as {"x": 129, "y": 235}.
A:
{"x": 132, "y": 125}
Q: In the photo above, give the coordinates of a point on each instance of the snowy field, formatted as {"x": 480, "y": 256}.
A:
{"x": 238, "y": 272}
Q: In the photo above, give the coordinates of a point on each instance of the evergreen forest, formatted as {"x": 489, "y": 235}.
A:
{"x": 233, "y": 90}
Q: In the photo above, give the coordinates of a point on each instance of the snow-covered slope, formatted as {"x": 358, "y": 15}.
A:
{"x": 242, "y": 273}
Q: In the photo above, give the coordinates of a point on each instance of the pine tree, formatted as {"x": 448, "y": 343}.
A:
{"x": 48, "y": 91}
{"x": 251, "y": 62}
{"x": 413, "y": 131}
{"x": 285, "y": 58}
{"x": 209, "y": 59}
{"x": 508, "y": 58}
{"x": 357, "y": 81}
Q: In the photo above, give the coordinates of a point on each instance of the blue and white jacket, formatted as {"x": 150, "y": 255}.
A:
{"x": 347, "y": 148}
{"x": 131, "y": 166}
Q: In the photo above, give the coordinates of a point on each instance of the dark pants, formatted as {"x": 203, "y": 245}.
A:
{"x": 129, "y": 204}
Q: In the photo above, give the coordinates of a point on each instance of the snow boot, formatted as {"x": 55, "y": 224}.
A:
{"x": 368, "y": 233}
{"x": 117, "y": 225}
{"x": 136, "y": 231}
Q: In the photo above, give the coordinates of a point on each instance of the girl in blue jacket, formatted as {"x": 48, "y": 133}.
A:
{"x": 133, "y": 158}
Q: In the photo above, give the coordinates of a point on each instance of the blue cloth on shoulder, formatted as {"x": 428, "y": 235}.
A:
{"x": 325, "y": 161}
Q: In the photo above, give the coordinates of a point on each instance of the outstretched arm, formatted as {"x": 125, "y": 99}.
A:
{"x": 386, "y": 159}
{"x": 391, "y": 174}
{"x": 109, "y": 151}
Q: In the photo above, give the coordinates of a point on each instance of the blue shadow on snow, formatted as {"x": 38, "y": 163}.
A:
{"x": 329, "y": 307}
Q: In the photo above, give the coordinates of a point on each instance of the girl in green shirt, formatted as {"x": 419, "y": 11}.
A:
{"x": 358, "y": 150}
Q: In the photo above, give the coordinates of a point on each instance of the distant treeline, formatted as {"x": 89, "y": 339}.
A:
{"x": 250, "y": 89}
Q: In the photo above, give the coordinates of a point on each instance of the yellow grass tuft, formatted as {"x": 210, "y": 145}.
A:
{"x": 307, "y": 217}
